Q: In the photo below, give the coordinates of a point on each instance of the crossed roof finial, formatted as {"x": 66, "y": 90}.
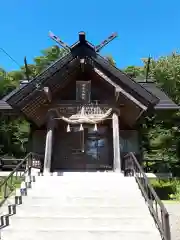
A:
{"x": 82, "y": 39}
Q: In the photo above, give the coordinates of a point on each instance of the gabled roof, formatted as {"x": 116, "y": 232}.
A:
{"x": 4, "y": 105}
{"x": 28, "y": 98}
{"x": 82, "y": 48}
{"x": 41, "y": 78}
{"x": 146, "y": 93}
{"x": 165, "y": 102}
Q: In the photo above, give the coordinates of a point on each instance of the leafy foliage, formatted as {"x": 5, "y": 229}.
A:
{"x": 15, "y": 132}
{"x": 161, "y": 139}
{"x": 167, "y": 189}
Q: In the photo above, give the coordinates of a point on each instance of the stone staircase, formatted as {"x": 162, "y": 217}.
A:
{"x": 82, "y": 206}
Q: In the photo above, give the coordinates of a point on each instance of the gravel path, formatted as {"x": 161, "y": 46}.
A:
{"x": 174, "y": 211}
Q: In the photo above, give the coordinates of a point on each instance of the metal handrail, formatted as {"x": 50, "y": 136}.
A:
{"x": 156, "y": 207}
{"x": 8, "y": 186}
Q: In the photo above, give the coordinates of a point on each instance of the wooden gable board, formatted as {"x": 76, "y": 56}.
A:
{"x": 124, "y": 81}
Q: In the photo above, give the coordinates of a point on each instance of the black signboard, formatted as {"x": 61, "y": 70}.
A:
{"x": 83, "y": 91}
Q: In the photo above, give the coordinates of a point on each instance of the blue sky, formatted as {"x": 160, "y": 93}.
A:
{"x": 144, "y": 27}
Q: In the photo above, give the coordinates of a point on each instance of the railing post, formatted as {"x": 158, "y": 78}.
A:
{"x": 5, "y": 190}
{"x": 2, "y": 221}
{"x": 129, "y": 167}
{"x": 166, "y": 226}
{"x": 29, "y": 163}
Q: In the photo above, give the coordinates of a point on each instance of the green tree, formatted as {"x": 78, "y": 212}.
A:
{"x": 14, "y": 133}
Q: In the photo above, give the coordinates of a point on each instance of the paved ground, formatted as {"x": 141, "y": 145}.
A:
{"x": 174, "y": 211}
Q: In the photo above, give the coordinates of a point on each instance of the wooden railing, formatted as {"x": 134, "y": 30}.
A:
{"x": 156, "y": 207}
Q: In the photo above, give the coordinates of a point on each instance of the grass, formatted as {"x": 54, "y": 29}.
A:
{"x": 12, "y": 184}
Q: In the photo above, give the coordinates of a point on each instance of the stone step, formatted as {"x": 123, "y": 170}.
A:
{"x": 87, "y": 184}
{"x": 83, "y": 223}
{"x": 78, "y": 187}
{"x": 60, "y": 190}
{"x": 78, "y": 175}
{"x": 84, "y": 194}
{"x": 82, "y": 210}
{"x": 84, "y": 206}
{"x": 93, "y": 179}
{"x": 86, "y": 179}
{"x": 82, "y": 201}
{"x": 80, "y": 235}
{"x": 99, "y": 178}
{"x": 87, "y": 194}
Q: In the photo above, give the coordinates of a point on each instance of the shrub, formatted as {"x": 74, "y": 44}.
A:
{"x": 165, "y": 189}
{"x": 176, "y": 196}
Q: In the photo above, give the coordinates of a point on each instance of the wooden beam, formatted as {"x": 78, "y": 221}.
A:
{"x": 119, "y": 89}
{"x": 130, "y": 97}
{"x": 105, "y": 42}
{"x": 116, "y": 95}
{"x": 59, "y": 41}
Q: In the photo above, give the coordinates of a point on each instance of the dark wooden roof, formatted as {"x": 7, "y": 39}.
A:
{"x": 4, "y": 105}
{"x": 165, "y": 102}
{"x": 28, "y": 98}
{"x": 20, "y": 97}
{"x": 6, "y": 109}
{"x": 23, "y": 93}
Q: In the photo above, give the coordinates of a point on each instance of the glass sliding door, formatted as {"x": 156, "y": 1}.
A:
{"x": 97, "y": 148}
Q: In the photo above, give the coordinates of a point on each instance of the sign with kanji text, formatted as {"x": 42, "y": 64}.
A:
{"x": 83, "y": 91}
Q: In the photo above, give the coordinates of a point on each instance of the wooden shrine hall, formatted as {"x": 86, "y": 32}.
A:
{"x": 84, "y": 113}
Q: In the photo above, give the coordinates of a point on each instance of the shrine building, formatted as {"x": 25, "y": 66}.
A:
{"x": 85, "y": 113}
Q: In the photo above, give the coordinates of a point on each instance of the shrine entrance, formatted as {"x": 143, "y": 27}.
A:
{"x": 83, "y": 150}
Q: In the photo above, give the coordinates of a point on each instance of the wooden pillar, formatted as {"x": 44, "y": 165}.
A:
{"x": 116, "y": 144}
{"x": 48, "y": 146}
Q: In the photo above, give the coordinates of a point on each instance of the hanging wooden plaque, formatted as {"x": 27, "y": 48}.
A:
{"x": 83, "y": 91}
